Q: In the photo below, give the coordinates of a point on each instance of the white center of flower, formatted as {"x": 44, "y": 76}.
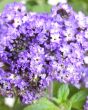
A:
{"x": 12, "y": 76}
{"x": 86, "y": 34}
{"x": 70, "y": 68}
{"x": 86, "y": 59}
{"x": 1, "y": 64}
{"x": 17, "y": 22}
{"x": 64, "y": 49}
{"x": 55, "y": 37}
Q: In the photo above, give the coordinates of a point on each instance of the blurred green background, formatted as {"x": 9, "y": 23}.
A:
{"x": 44, "y": 6}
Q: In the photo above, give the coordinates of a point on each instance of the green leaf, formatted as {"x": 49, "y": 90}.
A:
{"x": 78, "y": 99}
{"x": 67, "y": 106}
{"x": 63, "y": 93}
{"x": 55, "y": 100}
{"x": 18, "y": 105}
{"x": 73, "y": 90}
{"x": 42, "y": 104}
{"x": 4, "y": 107}
{"x": 56, "y": 86}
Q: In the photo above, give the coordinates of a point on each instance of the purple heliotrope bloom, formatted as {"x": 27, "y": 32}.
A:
{"x": 24, "y": 48}
{"x": 71, "y": 37}
{"x": 36, "y": 49}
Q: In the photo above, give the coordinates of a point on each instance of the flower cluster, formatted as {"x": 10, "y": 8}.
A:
{"x": 36, "y": 49}
{"x": 71, "y": 35}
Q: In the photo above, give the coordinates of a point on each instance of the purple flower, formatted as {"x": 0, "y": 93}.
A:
{"x": 36, "y": 49}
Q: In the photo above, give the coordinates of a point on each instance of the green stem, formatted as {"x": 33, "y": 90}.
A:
{"x": 16, "y": 101}
{"x": 50, "y": 90}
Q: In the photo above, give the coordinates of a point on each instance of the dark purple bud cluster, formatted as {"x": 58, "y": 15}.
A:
{"x": 36, "y": 49}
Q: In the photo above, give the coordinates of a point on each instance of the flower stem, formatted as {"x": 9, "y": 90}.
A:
{"x": 50, "y": 90}
{"x": 16, "y": 101}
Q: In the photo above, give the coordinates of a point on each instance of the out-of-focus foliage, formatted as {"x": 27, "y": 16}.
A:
{"x": 2, "y": 104}
{"x": 43, "y": 6}
{"x": 38, "y": 5}
{"x": 79, "y": 5}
